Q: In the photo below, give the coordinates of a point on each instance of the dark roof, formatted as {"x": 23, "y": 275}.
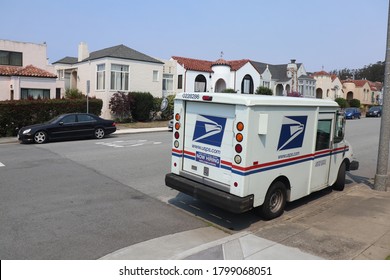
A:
{"x": 67, "y": 60}
{"x": 278, "y": 72}
{"x": 121, "y": 51}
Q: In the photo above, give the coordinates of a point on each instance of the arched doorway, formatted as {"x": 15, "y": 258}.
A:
{"x": 73, "y": 81}
{"x": 288, "y": 89}
{"x": 349, "y": 95}
{"x": 220, "y": 85}
{"x": 200, "y": 83}
{"x": 279, "y": 90}
{"x": 247, "y": 85}
{"x": 319, "y": 93}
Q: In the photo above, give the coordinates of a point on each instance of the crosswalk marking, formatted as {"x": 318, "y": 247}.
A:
{"x": 130, "y": 143}
{"x": 1, "y": 164}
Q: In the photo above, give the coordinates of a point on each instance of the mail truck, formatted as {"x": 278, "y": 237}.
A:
{"x": 241, "y": 152}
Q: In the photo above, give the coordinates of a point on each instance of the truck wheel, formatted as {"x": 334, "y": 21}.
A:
{"x": 274, "y": 201}
{"x": 340, "y": 181}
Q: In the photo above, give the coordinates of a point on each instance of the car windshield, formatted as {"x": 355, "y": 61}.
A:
{"x": 349, "y": 110}
{"x": 374, "y": 109}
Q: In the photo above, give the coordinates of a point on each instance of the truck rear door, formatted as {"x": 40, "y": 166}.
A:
{"x": 208, "y": 140}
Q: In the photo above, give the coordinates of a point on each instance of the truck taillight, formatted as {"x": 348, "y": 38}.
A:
{"x": 239, "y": 138}
{"x": 177, "y": 117}
{"x": 177, "y": 135}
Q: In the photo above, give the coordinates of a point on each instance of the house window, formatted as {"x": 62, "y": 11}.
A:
{"x": 179, "y": 81}
{"x": 34, "y": 93}
{"x": 266, "y": 84}
{"x": 247, "y": 85}
{"x": 100, "y": 77}
{"x": 168, "y": 82}
{"x": 11, "y": 58}
{"x": 200, "y": 83}
{"x": 119, "y": 77}
{"x": 155, "y": 76}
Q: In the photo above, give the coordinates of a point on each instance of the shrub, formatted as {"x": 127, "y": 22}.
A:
{"x": 264, "y": 91}
{"x": 229, "y": 90}
{"x": 342, "y": 102}
{"x": 121, "y": 105}
{"x": 18, "y": 113}
{"x": 143, "y": 105}
{"x": 74, "y": 93}
{"x": 354, "y": 103}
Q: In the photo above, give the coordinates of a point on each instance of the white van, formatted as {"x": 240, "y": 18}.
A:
{"x": 240, "y": 152}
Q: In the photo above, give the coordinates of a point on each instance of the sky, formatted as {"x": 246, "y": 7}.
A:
{"x": 323, "y": 35}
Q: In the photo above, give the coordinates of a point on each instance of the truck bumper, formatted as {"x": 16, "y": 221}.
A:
{"x": 221, "y": 199}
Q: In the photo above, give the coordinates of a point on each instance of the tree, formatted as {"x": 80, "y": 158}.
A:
{"x": 121, "y": 105}
{"x": 354, "y": 103}
{"x": 342, "y": 102}
{"x": 263, "y": 91}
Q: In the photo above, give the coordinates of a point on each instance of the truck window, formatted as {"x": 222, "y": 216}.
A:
{"x": 323, "y": 134}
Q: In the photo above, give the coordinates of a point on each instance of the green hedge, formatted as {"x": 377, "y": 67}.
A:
{"x": 143, "y": 105}
{"x": 18, "y": 113}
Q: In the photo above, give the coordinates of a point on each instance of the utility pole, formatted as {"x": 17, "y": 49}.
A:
{"x": 381, "y": 176}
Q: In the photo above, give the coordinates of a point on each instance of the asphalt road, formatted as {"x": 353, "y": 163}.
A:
{"x": 57, "y": 200}
{"x": 85, "y": 199}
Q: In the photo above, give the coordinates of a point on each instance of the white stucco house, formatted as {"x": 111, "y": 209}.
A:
{"x": 243, "y": 76}
{"x": 102, "y": 73}
{"x": 25, "y": 72}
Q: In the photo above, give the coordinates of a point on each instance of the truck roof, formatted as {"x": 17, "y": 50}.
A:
{"x": 255, "y": 100}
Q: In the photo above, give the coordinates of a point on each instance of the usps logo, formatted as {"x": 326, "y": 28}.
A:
{"x": 209, "y": 130}
{"x": 292, "y": 132}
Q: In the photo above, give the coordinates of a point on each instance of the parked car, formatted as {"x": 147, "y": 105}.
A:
{"x": 375, "y": 111}
{"x": 352, "y": 113}
{"x": 170, "y": 125}
{"x": 67, "y": 126}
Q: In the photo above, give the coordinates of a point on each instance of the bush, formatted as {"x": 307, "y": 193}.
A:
{"x": 74, "y": 93}
{"x": 264, "y": 91}
{"x": 143, "y": 105}
{"x": 342, "y": 102}
{"x": 121, "y": 105}
{"x": 229, "y": 90}
{"x": 18, "y": 113}
{"x": 354, "y": 103}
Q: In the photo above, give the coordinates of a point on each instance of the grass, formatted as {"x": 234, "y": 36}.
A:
{"x": 143, "y": 124}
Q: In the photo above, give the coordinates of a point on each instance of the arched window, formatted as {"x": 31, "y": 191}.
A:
{"x": 319, "y": 93}
{"x": 247, "y": 85}
{"x": 200, "y": 83}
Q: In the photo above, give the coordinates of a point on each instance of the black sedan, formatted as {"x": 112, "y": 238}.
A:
{"x": 67, "y": 126}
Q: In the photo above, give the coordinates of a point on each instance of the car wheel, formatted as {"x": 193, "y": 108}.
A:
{"x": 99, "y": 133}
{"x": 274, "y": 202}
{"x": 340, "y": 181}
{"x": 40, "y": 137}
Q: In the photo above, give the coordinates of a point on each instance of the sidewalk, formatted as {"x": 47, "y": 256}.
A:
{"x": 349, "y": 225}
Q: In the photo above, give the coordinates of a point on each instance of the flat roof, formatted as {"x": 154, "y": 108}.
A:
{"x": 256, "y": 100}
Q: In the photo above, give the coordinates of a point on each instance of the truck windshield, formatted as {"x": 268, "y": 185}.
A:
{"x": 339, "y": 128}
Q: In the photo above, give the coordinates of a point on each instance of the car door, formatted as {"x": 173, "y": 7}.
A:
{"x": 323, "y": 150}
{"x": 64, "y": 127}
{"x": 85, "y": 125}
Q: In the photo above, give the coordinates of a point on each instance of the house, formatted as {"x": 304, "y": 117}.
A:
{"x": 102, "y": 73}
{"x": 25, "y": 72}
{"x": 243, "y": 76}
{"x": 369, "y": 93}
{"x": 328, "y": 86}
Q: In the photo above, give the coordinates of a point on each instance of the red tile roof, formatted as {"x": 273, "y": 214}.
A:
{"x": 205, "y": 65}
{"x": 28, "y": 71}
{"x": 358, "y": 83}
{"x": 321, "y": 73}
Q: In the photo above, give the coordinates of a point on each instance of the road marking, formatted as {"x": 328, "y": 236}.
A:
{"x": 1, "y": 164}
{"x": 130, "y": 143}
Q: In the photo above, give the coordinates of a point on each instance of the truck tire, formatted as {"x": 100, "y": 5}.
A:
{"x": 274, "y": 201}
{"x": 340, "y": 181}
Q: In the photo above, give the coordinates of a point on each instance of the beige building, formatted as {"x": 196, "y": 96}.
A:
{"x": 25, "y": 72}
{"x": 102, "y": 73}
{"x": 360, "y": 89}
{"x": 328, "y": 86}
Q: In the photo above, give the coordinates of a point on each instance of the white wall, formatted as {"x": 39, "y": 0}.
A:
{"x": 247, "y": 69}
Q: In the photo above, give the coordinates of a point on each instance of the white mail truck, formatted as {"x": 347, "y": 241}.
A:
{"x": 241, "y": 152}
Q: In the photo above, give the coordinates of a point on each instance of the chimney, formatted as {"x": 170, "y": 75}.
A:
{"x": 83, "y": 51}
